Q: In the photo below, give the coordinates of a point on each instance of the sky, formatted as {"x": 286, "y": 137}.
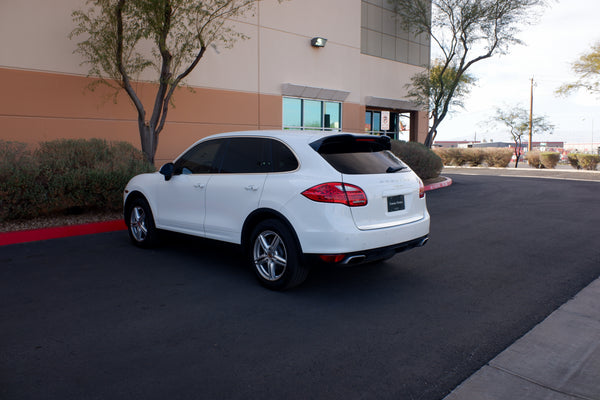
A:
{"x": 565, "y": 31}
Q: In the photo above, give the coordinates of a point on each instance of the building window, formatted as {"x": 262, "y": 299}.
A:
{"x": 308, "y": 114}
{"x": 399, "y": 124}
{"x": 382, "y": 35}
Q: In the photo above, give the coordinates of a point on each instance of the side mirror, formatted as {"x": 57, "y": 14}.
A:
{"x": 167, "y": 170}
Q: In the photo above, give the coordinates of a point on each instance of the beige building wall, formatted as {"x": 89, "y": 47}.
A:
{"x": 44, "y": 84}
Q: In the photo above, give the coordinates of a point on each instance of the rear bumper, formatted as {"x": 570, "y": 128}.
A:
{"x": 367, "y": 256}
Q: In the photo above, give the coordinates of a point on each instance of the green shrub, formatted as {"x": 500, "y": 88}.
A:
{"x": 549, "y": 160}
{"x": 65, "y": 176}
{"x": 588, "y": 161}
{"x": 19, "y": 188}
{"x": 498, "y": 157}
{"x": 574, "y": 161}
{"x": 533, "y": 159}
{"x": 422, "y": 160}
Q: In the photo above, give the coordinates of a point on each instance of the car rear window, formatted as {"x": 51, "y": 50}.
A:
{"x": 358, "y": 155}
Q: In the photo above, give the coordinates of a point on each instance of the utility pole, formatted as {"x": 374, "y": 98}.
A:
{"x": 530, "y": 117}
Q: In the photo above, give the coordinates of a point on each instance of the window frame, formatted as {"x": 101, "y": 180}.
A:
{"x": 323, "y": 112}
{"x": 267, "y": 150}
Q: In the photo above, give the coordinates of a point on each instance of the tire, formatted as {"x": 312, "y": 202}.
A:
{"x": 140, "y": 224}
{"x": 275, "y": 256}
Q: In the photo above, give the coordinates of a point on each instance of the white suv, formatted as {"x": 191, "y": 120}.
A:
{"x": 291, "y": 198}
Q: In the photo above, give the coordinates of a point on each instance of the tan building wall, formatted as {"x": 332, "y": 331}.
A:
{"x": 44, "y": 85}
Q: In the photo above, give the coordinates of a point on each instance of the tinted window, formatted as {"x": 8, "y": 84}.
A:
{"x": 200, "y": 159}
{"x": 359, "y": 155}
{"x": 364, "y": 163}
{"x": 283, "y": 158}
{"x": 245, "y": 156}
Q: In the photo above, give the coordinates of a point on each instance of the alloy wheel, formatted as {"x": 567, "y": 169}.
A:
{"x": 137, "y": 224}
{"x": 270, "y": 256}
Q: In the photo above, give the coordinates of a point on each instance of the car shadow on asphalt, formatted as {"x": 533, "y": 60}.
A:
{"x": 218, "y": 258}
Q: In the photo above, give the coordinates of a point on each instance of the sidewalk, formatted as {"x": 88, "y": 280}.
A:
{"x": 559, "y": 359}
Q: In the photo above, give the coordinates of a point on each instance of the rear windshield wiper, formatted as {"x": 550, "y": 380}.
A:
{"x": 391, "y": 170}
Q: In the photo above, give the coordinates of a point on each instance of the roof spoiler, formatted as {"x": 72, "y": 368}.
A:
{"x": 375, "y": 143}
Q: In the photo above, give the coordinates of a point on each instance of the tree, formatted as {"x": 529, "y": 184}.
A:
{"x": 116, "y": 34}
{"x": 429, "y": 88}
{"x": 587, "y": 67}
{"x": 465, "y": 32}
{"x": 517, "y": 120}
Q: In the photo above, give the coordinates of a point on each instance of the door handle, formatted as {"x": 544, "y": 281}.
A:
{"x": 199, "y": 186}
{"x": 251, "y": 188}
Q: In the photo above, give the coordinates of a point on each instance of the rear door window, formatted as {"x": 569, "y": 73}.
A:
{"x": 256, "y": 156}
{"x": 358, "y": 155}
{"x": 246, "y": 156}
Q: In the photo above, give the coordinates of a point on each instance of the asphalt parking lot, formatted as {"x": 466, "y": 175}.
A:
{"x": 93, "y": 317}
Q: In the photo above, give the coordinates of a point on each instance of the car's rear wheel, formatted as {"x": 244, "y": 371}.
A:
{"x": 276, "y": 256}
{"x": 140, "y": 224}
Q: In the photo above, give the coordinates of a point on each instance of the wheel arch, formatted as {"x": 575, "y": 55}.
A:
{"x": 131, "y": 197}
{"x": 260, "y": 215}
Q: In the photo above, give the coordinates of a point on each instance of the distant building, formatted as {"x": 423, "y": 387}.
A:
{"x": 590, "y": 148}
{"x": 453, "y": 143}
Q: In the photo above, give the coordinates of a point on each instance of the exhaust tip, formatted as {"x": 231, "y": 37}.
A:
{"x": 354, "y": 259}
{"x": 423, "y": 242}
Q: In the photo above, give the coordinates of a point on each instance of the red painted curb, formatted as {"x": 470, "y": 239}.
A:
{"x": 439, "y": 185}
{"x": 7, "y": 238}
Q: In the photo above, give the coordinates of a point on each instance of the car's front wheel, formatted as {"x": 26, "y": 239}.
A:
{"x": 275, "y": 256}
{"x": 140, "y": 224}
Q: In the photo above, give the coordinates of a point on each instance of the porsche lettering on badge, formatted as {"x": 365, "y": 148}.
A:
{"x": 395, "y": 203}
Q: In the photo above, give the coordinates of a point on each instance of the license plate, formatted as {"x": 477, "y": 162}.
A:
{"x": 395, "y": 203}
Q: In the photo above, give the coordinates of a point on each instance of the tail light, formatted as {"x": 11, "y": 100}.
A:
{"x": 337, "y": 192}
{"x": 421, "y": 189}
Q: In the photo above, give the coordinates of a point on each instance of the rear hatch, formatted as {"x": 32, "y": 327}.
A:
{"x": 392, "y": 189}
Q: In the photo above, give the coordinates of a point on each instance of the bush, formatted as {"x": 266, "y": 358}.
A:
{"x": 444, "y": 155}
{"x": 19, "y": 188}
{"x": 451, "y": 156}
{"x": 588, "y": 161}
{"x": 473, "y": 157}
{"x": 422, "y": 160}
{"x": 574, "y": 161}
{"x": 549, "y": 160}
{"x": 533, "y": 159}
{"x": 65, "y": 176}
{"x": 493, "y": 157}
{"x": 498, "y": 157}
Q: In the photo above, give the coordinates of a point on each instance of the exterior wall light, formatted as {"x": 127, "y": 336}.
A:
{"x": 318, "y": 42}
